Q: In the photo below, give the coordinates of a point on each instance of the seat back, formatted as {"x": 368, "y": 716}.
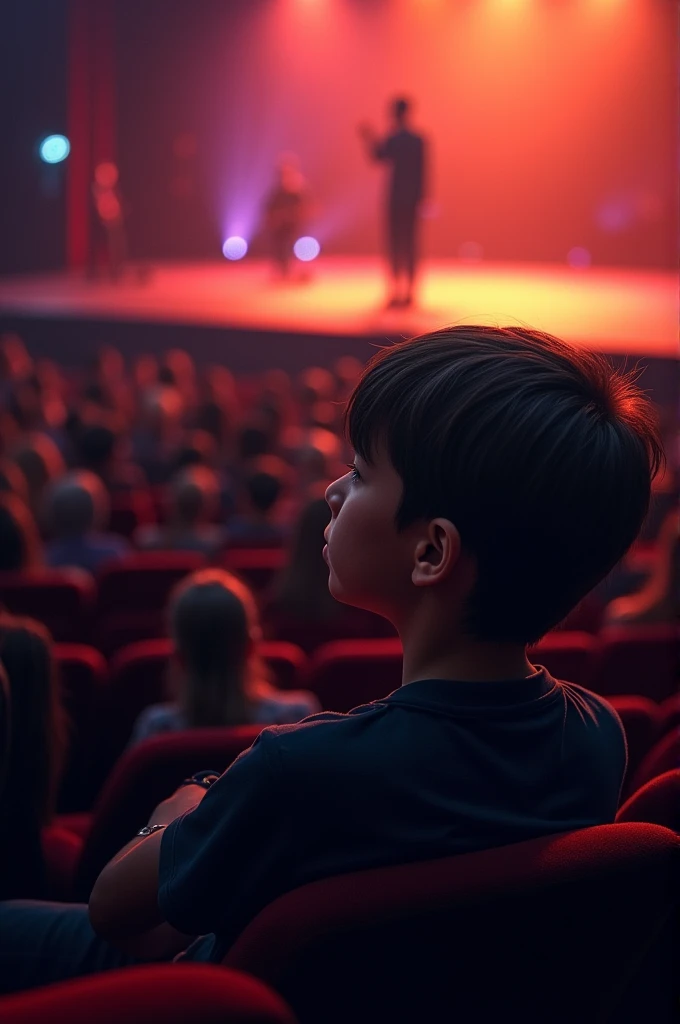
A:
{"x": 663, "y": 757}
{"x": 657, "y": 802}
{"x": 256, "y": 566}
{"x": 82, "y": 672}
{"x": 197, "y": 992}
{"x": 62, "y": 599}
{"x": 142, "y": 778}
{"x": 142, "y": 582}
{"x": 347, "y": 673}
{"x": 639, "y": 659}
{"x": 555, "y": 929}
{"x": 642, "y": 721}
{"x": 567, "y": 655}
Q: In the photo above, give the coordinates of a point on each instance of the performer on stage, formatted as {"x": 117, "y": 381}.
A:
{"x": 109, "y": 218}
{"x": 405, "y": 151}
{"x": 286, "y": 209}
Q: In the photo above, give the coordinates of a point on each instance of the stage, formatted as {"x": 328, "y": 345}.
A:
{"x": 237, "y": 313}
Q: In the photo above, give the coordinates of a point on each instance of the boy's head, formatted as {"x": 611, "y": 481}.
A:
{"x": 502, "y": 474}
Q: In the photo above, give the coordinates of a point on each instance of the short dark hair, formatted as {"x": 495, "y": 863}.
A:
{"x": 400, "y": 106}
{"x": 541, "y": 454}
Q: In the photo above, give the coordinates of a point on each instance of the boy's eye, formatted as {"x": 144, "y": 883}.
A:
{"x": 356, "y": 475}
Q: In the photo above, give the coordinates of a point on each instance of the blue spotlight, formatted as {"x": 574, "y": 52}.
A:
{"x": 306, "y": 248}
{"x": 54, "y": 149}
{"x": 235, "y": 248}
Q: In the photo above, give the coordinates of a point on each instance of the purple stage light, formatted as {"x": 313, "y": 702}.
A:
{"x": 235, "y": 248}
{"x": 306, "y": 248}
{"x": 579, "y": 257}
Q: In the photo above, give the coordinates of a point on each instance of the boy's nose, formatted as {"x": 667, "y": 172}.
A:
{"x": 334, "y": 496}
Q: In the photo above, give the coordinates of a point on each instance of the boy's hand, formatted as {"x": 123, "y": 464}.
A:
{"x": 182, "y": 800}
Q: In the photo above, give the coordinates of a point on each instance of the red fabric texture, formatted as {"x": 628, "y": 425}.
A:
{"x": 642, "y": 720}
{"x": 657, "y": 802}
{"x": 577, "y": 926}
{"x": 195, "y": 993}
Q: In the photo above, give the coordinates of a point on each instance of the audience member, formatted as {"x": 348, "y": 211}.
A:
{"x": 20, "y": 545}
{"x": 39, "y": 459}
{"x": 193, "y": 499}
{"x": 301, "y": 608}
{"x": 218, "y": 674}
{"x": 499, "y": 474}
{"x": 12, "y": 479}
{"x": 100, "y": 449}
{"x": 77, "y": 512}
{"x": 263, "y": 487}
{"x": 37, "y": 749}
{"x": 658, "y": 599}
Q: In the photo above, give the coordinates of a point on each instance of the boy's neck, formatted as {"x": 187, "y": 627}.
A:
{"x": 460, "y": 658}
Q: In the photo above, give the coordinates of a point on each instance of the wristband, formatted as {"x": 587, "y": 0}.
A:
{"x": 204, "y": 779}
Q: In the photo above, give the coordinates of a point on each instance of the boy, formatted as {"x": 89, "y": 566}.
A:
{"x": 499, "y": 475}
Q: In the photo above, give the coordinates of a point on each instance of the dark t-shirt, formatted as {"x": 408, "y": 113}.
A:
{"x": 405, "y": 151}
{"x": 436, "y": 768}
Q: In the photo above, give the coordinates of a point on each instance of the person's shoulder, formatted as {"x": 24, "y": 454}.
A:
{"x": 319, "y": 738}
{"x": 591, "y": 708}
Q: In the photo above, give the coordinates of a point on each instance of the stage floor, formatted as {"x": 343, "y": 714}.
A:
{"x": 612, "y": 310}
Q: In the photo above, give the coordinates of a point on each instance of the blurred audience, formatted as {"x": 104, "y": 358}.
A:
{"x": 217, "y": 674}
{"x": 37, "y": 750}
{"x": 41, "y": 462}
{"x": 77, "y": 514}
{"x": 193, "y": 499}
{"x": 264, "y": 486}
{"x": 20, "y": 544}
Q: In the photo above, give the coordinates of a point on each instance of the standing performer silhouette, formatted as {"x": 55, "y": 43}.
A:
{"x": 404, "y": 150}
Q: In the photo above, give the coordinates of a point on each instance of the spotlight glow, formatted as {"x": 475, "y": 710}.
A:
{"x": 579, "y": 257}
{"x": 54, "y": 149}
{"x": 235, "y": 248}
{"x": 306, "y": 248}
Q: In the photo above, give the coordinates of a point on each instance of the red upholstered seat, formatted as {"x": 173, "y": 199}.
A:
{"x": 143, "y": 581}
{"x": 639, "y": 659}
{"x": 568, "y": 655}
{"x": 256, "y": 566}
{"x": 572, "y": 927}
{"x": 142, "y": 778}
{"x": 62, "y": 599}
{"x": 670, "y": 710}
{"x": 62, "y": 850}
{"x": 82, "y": 671}
{"x": 173, "y": 994}
{"x": 663, "y": 757}
{"x": 347, "y": 673}
{"x": 657, "y": 802}
{"x": 642, "y": 721}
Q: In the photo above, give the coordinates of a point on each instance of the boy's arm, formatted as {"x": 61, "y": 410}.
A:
{"x": 123, "y": 904}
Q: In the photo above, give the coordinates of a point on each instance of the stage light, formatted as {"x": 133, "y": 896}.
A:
{"x": 235, "y": 248}
{"x": 306, "y": 248}
{"x": 579, "y": 257}
{"x": 54, "y": 149}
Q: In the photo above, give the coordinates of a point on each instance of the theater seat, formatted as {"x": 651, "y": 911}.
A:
{"x": 62, "y": 851}
{"x": 82, "y": 671}
{"x": 138, "y": 679}
{"x": 572, "y": 927}
{"x": 663, "y": 757}
{"x": 143, "y": 581}
{"x": 129, "y": 510}
{"x": 347, "y": 673}
{"x": 256, "y": 566}
{"x": 568, "y": 655}
{"x": 657, "y": 802}
{"x": 670, "y": 710}
{"x": 639, "y": 659}
{"x": 190, "y": 994}
{"x": 642, "y": 722}
{"x": 62, "y": 599}
{"x": 141, "y": 779}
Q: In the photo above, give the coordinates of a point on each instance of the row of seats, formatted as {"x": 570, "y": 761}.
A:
{"x": 127, "y": 600}
{"x": 344, "y": 675}
{"x": 415, "y": 942}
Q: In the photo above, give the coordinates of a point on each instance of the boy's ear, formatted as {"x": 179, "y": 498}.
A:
{"x": 436, "y": 553}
